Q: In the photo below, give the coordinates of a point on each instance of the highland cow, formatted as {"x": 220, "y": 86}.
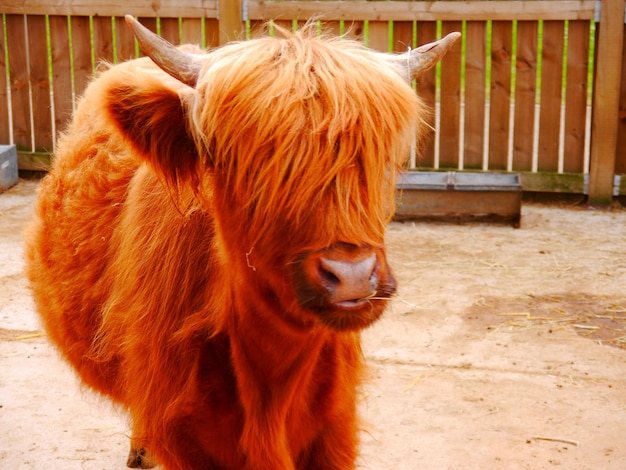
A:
{"x": 210, "y": 242}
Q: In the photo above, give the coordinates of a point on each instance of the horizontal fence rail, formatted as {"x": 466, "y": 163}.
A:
{"x": 449, "y": 10}
{"x": 534, "y": 87}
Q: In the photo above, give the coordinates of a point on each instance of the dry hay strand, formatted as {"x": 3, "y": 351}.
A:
{"x": 19, "y": 335}
{"x": 598, "y": 318}
{"x": 556, "y": 439}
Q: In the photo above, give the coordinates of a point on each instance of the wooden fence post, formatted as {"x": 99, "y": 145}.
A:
{"x": 230, "y": 21}
{"x": 606, "y": 92}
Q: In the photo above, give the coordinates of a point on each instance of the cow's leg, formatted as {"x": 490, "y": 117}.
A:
{"x": 178, "y": 449}
{"x": 138, "y": 458}
{"x": 334, "y": 449}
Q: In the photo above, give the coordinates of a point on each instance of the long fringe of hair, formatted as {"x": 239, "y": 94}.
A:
{"x": 299, "y": 122}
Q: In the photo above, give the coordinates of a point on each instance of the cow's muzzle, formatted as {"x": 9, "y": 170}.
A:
{"x": 347, "y": 286}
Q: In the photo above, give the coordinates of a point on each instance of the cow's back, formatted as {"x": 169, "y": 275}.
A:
{"x": 69, "y": 241}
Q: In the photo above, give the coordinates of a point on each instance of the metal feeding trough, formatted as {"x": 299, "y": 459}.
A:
{"x": 459, "y": 195}
{"x": 8, "y": 167}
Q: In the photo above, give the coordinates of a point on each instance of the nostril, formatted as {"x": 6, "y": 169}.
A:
{"x": 374, "y": 275}
{"x": 328, "y": 278}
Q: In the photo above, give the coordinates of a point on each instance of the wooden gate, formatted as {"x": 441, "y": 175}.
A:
{"x": 535, "y": 87}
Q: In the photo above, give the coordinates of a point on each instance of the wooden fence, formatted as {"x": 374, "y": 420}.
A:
{"x": 534, "y": 88}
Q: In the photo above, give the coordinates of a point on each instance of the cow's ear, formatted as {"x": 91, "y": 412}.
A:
{"x": 152, "y": 118}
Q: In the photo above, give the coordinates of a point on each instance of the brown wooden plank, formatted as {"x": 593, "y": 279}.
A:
{"x": 576, "y": 96}
{"x": 33, "y": 161}
{"x": 332, "y": 28}
{"x": 297, "y": 24}
{"x": 403, "y": 40}
{"x": 211, "y": 32}
{"x": 161, "y": 8}
{"x": 525, "y": 93}
{"x": 103, "y": 38}
{"x": 551, "y": 182}
{"x": 620, "y": 154}
{"x": 258, "y": 28}
{"x": 5, "y": 130}
{"x": 332, "y": 10}
{"x": 354, "y": 30}
{"x": 504, "y": 10}
{"x": 426, "y": 89}
{"x": 81, "y": 46}
{"x": 450, "y": 126}
{"x": 20, "y": 99}
{"x": 170, "y": 30}
{"x": 606, "y": 101}
{"x": 500, "y": 101}
{"x": 231, "y": 27}
{"x": 61, "y": 71}
{"x": 40, "y": 82}
{"x": 124, "y": 41}
{"x": 378, "y": 36}
{"x": 550, "y": 105}
{"x": 475, "y": 66}
{"x": 402, "y": 36}
{"x": 500, "y": 206}
{"x": 151, "y": 24}
{"x": 285, "y": 24}
{"x": 192, "y": 31}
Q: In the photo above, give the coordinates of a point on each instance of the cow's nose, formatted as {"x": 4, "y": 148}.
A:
{"x": 348, "y": 281}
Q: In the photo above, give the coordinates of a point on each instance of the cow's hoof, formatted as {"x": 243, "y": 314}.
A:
{"x": 138, "y": 458}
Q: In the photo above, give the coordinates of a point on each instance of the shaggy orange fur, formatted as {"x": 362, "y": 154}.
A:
{"x": 160, "y": 254}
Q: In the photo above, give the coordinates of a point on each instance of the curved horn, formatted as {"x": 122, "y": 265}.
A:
{"x": 417, "y": 61}
{"x": 179, "y": 65}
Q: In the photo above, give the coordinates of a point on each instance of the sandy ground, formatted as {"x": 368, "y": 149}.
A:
{"x": 506, "y": 349}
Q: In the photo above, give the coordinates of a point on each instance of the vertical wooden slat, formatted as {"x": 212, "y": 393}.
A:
{"x": 355, "y": 30}
{"x": 170, "y": 30}
{"x": 450, "y": 125}
{"x": 378, "y": 36}
{"x": 426, "y": 89}
{"x": 124, "y": 40}
{"x": 20, "y": 98}
{"x": 40, "y": 83}
{"x": 474, "y": 138}
{"x": 231, "y": 26}
{"x": 151, "y": 24}
{"x": 5, "y": 130}
{"x": 551, "y": 82}
{"x": 81, "y": 46}
{"x": 576, "y": 96}
{"x": 606, "y": 101}
{"x": 332, "y": 27}
{"x": 500, "y": 106}
{"x": 192, "y": 31}
{"x": 402, "y": 36}
{"x": 103, "y": 38}
{"x": 620, "y": 153}
{"x": 285, "y": 24}
{"x": 211, "y": 32}
{"x": 61, "y": 71}
{"x": 402, "y": 41}
{"x": 525, "y": 93}
{"x": 298, "y": 24}
{"x": 257, "y": 29}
